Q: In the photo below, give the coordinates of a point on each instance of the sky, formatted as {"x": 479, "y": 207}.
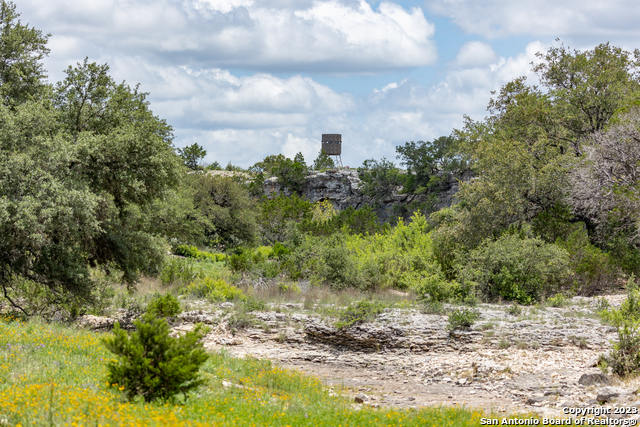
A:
{"x": 250, "y": 78}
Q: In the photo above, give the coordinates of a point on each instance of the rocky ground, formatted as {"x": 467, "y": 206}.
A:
{"x": 511, "y": 360}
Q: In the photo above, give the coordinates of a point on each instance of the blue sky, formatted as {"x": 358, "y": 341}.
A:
{"x": 249, "y": 78}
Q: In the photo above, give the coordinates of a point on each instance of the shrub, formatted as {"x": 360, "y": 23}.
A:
{"x": 592, "y": 268}
{"x": 624, "y": 358}
{"x": 462, "y": 318}
{"x": 359, "y": 312}
{"x": 178, "y": 271}
{"x": 214, "y": 290}
{"x": 194, "y": 252}
{"x": 164, "y": 306}
{"x": 152, "y": 364}
{"x": 558, "y": 300}
{"x": 515, "y": 268}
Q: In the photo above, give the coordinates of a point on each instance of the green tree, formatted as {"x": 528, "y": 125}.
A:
{"x": 522, "y": 152}
{"x": 323, "y": 162}
{"x": 228, "y": 213}
{"x": 427, "y": 162}
{"x": 380, "y": 178}
{"x": 22, "y": 76}
{"x": 125, "y": 156}
{"x": 192, "y": 155}
{"x": 152, "y": 364}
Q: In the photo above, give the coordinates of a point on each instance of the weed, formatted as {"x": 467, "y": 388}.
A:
{"x": 488, "y": 325}
{"x": 164, "y": 306}
{"x": 514, "y": 310}
{"x": 433, "y": 307}
{"x": 503, "y": 343}
{"x": 462, "y": 318}
{"x": 359, "y": 312}
{"x": 558, "y": 300}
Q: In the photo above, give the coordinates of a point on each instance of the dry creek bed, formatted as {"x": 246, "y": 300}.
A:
{"x": 538, "y": 360}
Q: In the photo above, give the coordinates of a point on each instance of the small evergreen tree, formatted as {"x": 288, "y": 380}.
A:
{"x": 323, "y": 162}
{"x": 151, "y": 363}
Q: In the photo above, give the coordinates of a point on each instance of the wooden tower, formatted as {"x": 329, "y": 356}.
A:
{"x": 332, "y": 145}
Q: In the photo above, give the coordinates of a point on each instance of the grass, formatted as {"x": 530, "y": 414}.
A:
{"x": 52, "y": 375}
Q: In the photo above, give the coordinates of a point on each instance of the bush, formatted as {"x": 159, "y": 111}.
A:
{"x": 152, "y": 364}
{"x": 515, "y": 268}
{"x": 214, "y": 290}
{"x": 194, "y": 252}
{"x": 360, "y": 312}
{"x": 624, "y": 358}
{"x": 462, "y": 318}
{"x": 178, "y": 271}
{"x": 593, "y": 269}
{"x": 164, "y": 306}
{"x": 558, "y": 300}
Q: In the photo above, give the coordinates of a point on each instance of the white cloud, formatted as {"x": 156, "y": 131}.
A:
{"x": 475, "y": 53}
{"x": 550, "y": 18}
{"x": 324, "y": 36}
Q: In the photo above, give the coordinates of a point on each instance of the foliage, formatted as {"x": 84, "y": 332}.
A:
{"x": 558, "y": 300}
{"x": 523, "y": 152}
{"x": 192, "y": 155}
{"x": 194, "y": 252}
{"x": 516, "y": 268}
{"x": 280, "y": 214}
{"x": 624, "y": 358}
{"x": 359, "y": 312}
{"x": 592, "y": 269}
{"x": 606, "y": 183}
{"x": 323, "y": 162}
{"x": 462, "y": 318}
{"x": 164, "y": 306}
{"x": 291, "y": 174}
{"x": 428, "y": 162}
{"x": 379, "y": 178}
{"x": 178, "y": 271}
{"x": 230, "y": 212}
{"x": 214, "y": 290}
{"x": 151, "y": 363}
{"x": 22, "y": 48}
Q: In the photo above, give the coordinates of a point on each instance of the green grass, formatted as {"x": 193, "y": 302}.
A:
{"x": 51, "y": 375}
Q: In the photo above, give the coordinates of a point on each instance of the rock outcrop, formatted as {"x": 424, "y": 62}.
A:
{"x": 342, "y": 187}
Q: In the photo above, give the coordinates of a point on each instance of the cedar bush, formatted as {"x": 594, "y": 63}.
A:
{"x": 164, "y": 306}
{"x": 152, "y": 364}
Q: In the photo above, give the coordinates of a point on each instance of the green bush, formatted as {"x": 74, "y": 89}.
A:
{"x": 558, "y": 300}
{"x": 214, "y": 290}
{"x": 462, "y": 318}
{"x": 178, "y": 271}
{"x": 152, "y": 364}
{"x": 194, "y": 252}
{"x": 624, "y": 358}
{"x": 515, "y": 268}
{"x": 360, "y": 312}
{"x": 164, "y": 306}
{"x": 592, "y": 268}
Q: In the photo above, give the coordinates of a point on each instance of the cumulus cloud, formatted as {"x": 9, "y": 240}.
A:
{"x": 323, "y": 36}
{"x": 475, "y": 53}
{"x": 291, "y": 114}
{"x": 550, "y": 18}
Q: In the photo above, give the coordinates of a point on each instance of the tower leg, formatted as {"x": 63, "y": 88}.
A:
{"x": 338, "y": 161}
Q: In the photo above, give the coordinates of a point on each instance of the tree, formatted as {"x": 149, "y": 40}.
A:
{"x": 192, "y": 155}
{"x": 229, "y": 211}
{"x": 291, "y": 174}
{"x": 427, "y": 161}
{"x": 22, "y": 48}
{"x": 125, "y": 156}
{"x": 380, "y": 178}
{"x": 606, "y": 182}
{"x": 323, "y": 162}
{"x": 522, "y": 152}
